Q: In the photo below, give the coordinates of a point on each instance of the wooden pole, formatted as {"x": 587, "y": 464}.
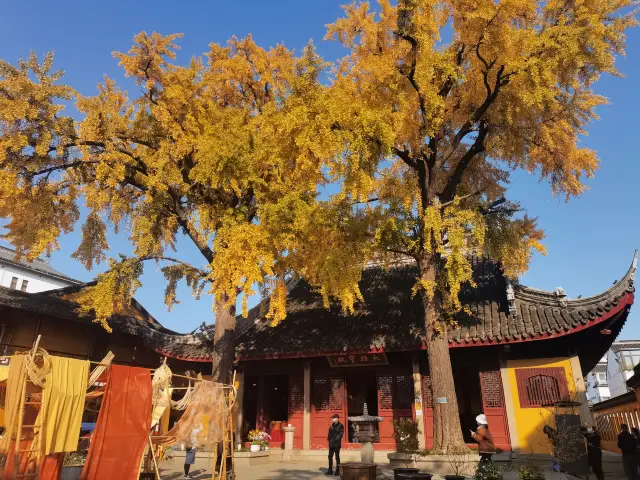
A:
{"x": 155, "y": 463}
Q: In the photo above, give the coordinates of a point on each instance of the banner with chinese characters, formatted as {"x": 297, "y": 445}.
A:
{"x": 357, "y": 360}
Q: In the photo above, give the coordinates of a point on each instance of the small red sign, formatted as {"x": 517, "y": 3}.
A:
{"x": 357, "y": 359}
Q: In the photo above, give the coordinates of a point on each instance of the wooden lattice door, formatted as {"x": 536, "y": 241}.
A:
{"x": 296, "y": 407}
{"x": 395, "y": 400}
{"x": 494, "y": 408}
{"x": 327, "y": 399}
{"x": 427, "y": 410}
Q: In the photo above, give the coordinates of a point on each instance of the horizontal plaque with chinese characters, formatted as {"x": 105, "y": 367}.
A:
{"x": 357, "y": 360}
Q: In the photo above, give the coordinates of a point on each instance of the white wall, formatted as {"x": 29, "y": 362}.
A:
{"x": 616, "y": 376}
{"x": 38, "y": 282}
{"x": 597, "y": 391}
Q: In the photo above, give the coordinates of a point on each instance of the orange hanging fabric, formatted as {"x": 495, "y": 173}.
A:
{"x": 122, "y": 429}
{"x": 51, "y": 466}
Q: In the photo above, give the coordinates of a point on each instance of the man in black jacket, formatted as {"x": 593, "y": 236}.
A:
{"x": 628, "y": 446}
{"x": 594, "y": 451}
{"x": 336, "y": 432}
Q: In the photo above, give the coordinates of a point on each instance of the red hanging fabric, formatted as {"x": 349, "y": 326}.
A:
{"x": 122, "y": 428}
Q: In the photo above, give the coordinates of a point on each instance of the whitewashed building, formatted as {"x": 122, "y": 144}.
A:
{"x": 621, "y": 358}
{"x": 596, "y": 382}
{"x": 32, "y": 277}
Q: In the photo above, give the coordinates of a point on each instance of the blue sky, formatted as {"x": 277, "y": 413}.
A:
{"x": 590, "y": 240}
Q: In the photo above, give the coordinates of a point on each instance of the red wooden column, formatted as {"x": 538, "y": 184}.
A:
{"x": 494, "y": 408}
{"x": 327, "y": 399}
{"x": 296, "y": 407}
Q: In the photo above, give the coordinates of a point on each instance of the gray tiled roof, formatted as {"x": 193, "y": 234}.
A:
{"x": 392, "y": 319}
{"x": 625, "y": 345}
{"x": 51, "y": 304}
{"x": 9, "y": 256}
{"x": 389, "y": 318}
{"x": 600, "y": 368}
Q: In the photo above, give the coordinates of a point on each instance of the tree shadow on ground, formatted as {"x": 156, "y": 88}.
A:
{"x": 291, "y": 474}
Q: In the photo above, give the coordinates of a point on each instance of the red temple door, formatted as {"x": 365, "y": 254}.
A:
{"x": 494, "y": 408}
{"x": 327, "y": 399}
{"x": 427, "y": 410}
{"x": 296, "y": 407}
{"x": 395, "y": 400}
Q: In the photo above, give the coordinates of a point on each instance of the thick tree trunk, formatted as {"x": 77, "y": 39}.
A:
{"x": 447, "y": 434}
{"x": 224, "y": 342}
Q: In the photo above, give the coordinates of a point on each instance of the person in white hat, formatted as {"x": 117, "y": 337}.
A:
{"x": 486, "y": 447}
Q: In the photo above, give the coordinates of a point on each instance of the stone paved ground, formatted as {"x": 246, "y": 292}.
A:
{"x": 271, "y": 471}
{"x": 300, "y": 470}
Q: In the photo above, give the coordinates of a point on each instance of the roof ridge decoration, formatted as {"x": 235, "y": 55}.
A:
{"x": 558, "y": 297}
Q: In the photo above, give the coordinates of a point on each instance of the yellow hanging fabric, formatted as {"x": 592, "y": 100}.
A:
{"x": 4, "y": 372}
{"x": 15, "y": 384}
{"x": 63, "y": 405}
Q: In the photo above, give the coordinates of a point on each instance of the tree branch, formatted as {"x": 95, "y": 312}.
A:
{"x": 201, "y": 272}
{"x": 406, "y": 157}
{"x": 370, "y": 200}
{"x": 399, "y": 252}
{"x": 462, "y": 197}
{"x": 455, "y": 179}
{"x": 63, "y": 166}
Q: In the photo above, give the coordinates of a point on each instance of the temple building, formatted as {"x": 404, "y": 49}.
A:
{"x": 518, "y": 351}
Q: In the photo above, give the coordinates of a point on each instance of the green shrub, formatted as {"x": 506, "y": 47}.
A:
{"x": 488, "y": 471}
{"x": 530, "y": 472}
{"x": 405, "y": 433}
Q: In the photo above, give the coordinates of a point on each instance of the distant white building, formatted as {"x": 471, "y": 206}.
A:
{"x": 621, "y": 358}
{"x": 597, "y": 385}
{"x": 32, "y": 277}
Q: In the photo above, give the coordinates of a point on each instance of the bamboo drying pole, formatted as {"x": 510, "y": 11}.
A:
{"x": 153, "y": 455}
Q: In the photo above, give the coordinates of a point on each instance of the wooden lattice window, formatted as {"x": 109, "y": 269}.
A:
{"x": 395, "y": 392}
{"x": 403, "y": 395}
{"x": 321, "y": 393}
{"x": 385, "y": 389}
{"x": 539, "y": 387}
{"x": 336, "y": 397}
{"x": 491, "y": 389}
{"x": 327, "y": 394}
{"x": 427, "y": 393}
{"x": 296, "y": 394}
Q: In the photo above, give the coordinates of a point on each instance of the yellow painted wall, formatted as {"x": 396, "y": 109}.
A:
{"x": 531, "y": 421}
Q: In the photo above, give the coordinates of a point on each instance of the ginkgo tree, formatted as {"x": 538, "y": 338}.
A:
{"x": 436, "y": 103}
{"x": 220, "y": 151}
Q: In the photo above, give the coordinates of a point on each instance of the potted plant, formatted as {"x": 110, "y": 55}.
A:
{"x": 530, "y": 472}
{"x": 459, "y": 460}
{"x": 405, "y": 433}
{"x": 259, "y": 440}
{"x": 489, "y": 471}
